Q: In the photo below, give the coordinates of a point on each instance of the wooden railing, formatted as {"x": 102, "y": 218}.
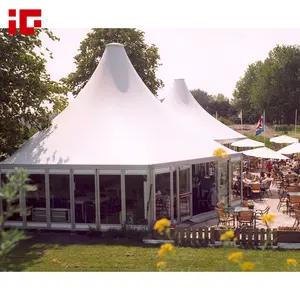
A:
{"x": 205, "y": 236}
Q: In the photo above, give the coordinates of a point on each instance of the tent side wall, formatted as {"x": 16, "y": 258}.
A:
{"x": 108, "y": 197}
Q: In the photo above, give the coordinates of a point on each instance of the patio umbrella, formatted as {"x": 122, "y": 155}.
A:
{"x": 290, "y": 149}
{"x": 283, "y": 139}
{"x": 264, "y": 152}
{"x": 247, "y": 143}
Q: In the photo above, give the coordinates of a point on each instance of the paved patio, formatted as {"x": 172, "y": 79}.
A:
{"x": 281, "y": 219}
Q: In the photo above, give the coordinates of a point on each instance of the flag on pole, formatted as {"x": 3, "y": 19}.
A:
{"x": 240, "y": 116}
{"x": 260, "y": 127}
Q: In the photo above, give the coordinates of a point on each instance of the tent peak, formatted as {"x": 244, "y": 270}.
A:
{"x": 179, "y": 79}
{"x": 115, "y": 45}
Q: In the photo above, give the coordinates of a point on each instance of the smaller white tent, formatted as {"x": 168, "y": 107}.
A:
{"x": 290, "y": 149}
{"x": 283, "y": 139}
{"x": 247, "y": 143}
{"x": 264, "y": 152}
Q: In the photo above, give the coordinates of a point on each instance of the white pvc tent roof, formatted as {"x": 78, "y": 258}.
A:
{"x": 115, "y": 120}
{"x": 185, "y": 107}
{"x": 264, "y": 152}
{"x": 290, "y": 149}
{"x": 284, "y": 139}
{"x": 247, "y": 143}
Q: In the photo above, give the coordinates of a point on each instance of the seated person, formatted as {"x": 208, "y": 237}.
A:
{"x": 247, "y": 175}
{"x": 265, "y": 181}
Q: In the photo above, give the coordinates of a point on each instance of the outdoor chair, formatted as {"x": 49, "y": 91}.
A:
{"x": 256, "y": 190}
{"x": 282, "y": 195}
{"x": 224, "y": 217}
{"x": 244, "y": 203}
{"x": 268, "y": 188}
{"x": 260, "y": 213}
{"x": 292, "y": 203}
{"x": 292, "y": 189}
{"x": 297, "y": 218}
{"x": 245, "y": 219}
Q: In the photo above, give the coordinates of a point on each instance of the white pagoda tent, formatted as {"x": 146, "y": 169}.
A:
{"x": 114, "y": 133}
{"x": 264, "y": 152}
{"x": 247, "y": 143}
{"x": 290, "y": 149}
{"x": 283, "y": 139}
{"x": 182, "y": 103}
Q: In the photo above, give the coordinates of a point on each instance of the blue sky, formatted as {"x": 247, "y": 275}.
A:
{"x": 210, "y": 59}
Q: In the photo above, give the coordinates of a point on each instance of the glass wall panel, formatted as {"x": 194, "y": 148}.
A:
{"x": 185, "y": 193}
{"x": 224, "y": 182}
{"x": 136, "y": 214}
{"x": 163, "y": 200}
{"x": 84, "y": 198}
{"x": 60, "y": 198}
{"x": 204, "y": 187}
{"x": 36, "y": 200}
{"x": 110, "y": 199}
{"x": 236, "y": 181}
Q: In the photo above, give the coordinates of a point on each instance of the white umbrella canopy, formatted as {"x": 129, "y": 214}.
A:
{"x": 247, "y": 143}
{"x": 264, "y": 152}
{"x": 290, "y": 149}
{"x": 284, "y": 139}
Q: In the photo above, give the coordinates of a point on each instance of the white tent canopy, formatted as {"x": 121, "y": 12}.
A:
{"x": 116, "y": 120}
{"x": 181, "y": 102}
{"x": 284, "y": 139}
{"x": 247, "y": 143}
{"x": 290, "y": 149}
{"x": 264, "y": 152}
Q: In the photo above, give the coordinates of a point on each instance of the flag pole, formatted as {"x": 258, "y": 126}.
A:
{"x": 296, "y": 111}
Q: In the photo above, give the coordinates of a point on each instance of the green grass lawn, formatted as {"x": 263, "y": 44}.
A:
{"x": 65, "y": 252}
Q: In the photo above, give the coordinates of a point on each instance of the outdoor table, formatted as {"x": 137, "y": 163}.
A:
{"x": 294, "y": 193}
{"x": 240, "y": 208}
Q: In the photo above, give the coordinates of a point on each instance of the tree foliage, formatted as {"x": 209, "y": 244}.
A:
{"x": 17, "y": 184}
{"x": 215, "y": 103}
{"x": 145, "y": 58}
{"x": 25, "y": 87}
{"x": 272, "y": 85}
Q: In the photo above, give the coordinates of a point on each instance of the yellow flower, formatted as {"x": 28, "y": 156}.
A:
{"x": 227, "y": 236}
{"x": 268, "y": 219}
{"x": 161, "y": 264}
{"x": 220, "y": 152}
{"x": 235, "y": 257}
{"x": 291, "y": 261}
{"x": 162, "y": 224}
{"x": 247, "y": 266}
{"x": 164, "y": 249}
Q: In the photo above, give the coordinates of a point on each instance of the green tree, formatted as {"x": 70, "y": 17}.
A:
{"x": 145, "y": 58}
{"x": 25, "y": 88}
{"x": 17, "y": 184}
{"x": 272, "y": 85}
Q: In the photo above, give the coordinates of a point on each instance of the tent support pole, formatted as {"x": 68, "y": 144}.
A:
{"x": 72, "y": 199}
{"x": 241, "y": 176}
{"x": 191, "y": 189}
{"x": 97, "y": 199}
{"x": 123, "y": 199}
{"x": 177, "y": 195}
{"x": 48, "y": 198}
{"x": 229, "y": 182}
{"x": 172, "y": 194}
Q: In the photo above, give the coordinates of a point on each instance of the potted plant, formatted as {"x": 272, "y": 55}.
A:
{"x": 250, "y": 204}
